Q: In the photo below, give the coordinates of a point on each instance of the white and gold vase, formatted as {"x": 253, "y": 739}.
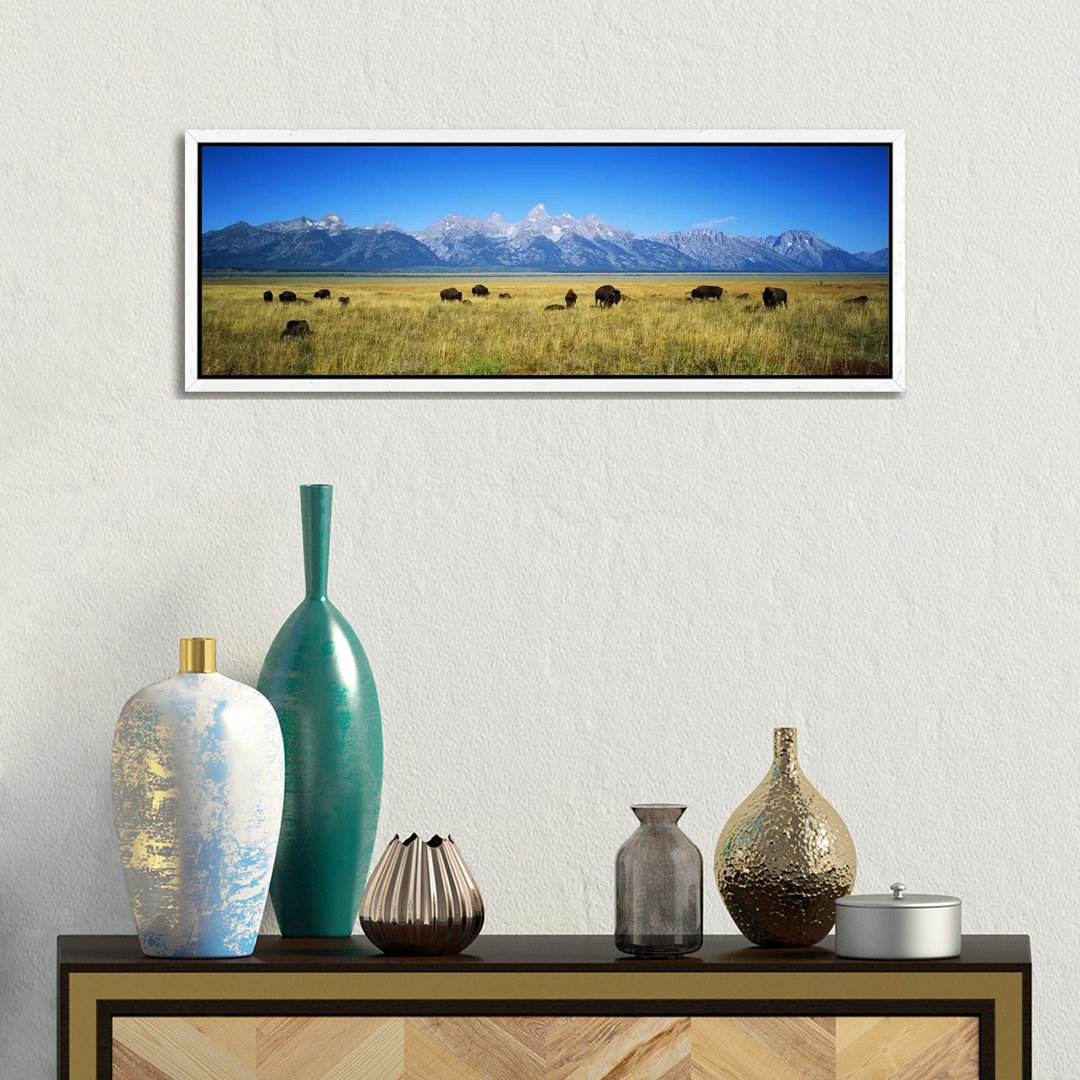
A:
{"x": 198, "y": 778}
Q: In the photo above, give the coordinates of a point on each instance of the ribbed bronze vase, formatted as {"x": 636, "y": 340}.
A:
{"x": 421, "y": 899}
{"x": 784, "y": 856}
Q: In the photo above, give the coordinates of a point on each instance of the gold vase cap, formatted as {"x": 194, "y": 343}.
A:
{"x": 198, "y": 655}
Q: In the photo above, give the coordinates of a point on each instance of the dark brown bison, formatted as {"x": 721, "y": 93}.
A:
{"x": 450, "y": 294}
{"x": 858, "y": 300}
{"x": 774, "y": 297}
{"x": 707, "y": 292}
{"x": 480, "y": 290}
{"x": 504, "y": 296}
{"x": 295, "y": 328}
{"x": 322, "y": 294}
{"x": 608, "y": 296}
{"x": 342, "y": 299}
{"x": 268, "y": 297}
{"x": 570, "y": 298}
{"x": 287, "y": 297}
{"x": 555, "y": 307}
{"x": 743, "y": 296}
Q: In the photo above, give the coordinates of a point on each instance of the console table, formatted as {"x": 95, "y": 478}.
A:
{"x": 542, "y": 1008}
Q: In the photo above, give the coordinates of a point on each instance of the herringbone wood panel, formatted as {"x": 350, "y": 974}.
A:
{"x": 956, "y": 1055}
{"x": 328, "y": 1047}
{"x": 127, "y": 1065}
{"x": 545, "y": 1048}
{"x": 427, "y": 1059}
{"x": 806, "y": 1044}
{"x": 907, "y": 1048}
{"x": 185, "y": 1048}
{"x": 496, "y": 1047}
{"x": 723, "y": 1049}
{"x": 614, "y": 1047}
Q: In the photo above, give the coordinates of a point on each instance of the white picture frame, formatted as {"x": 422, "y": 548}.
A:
{"x": 198, "y": 383}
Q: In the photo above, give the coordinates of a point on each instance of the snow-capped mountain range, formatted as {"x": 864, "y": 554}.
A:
{"x": 540, "y": 241}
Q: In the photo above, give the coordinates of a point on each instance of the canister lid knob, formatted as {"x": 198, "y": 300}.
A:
{"x": 898, "y": 889}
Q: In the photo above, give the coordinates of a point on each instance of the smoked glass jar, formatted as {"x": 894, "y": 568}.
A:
{"x": 658, "y": 886}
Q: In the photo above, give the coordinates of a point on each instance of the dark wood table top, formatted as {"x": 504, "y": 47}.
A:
{"x": 492, "y": 952}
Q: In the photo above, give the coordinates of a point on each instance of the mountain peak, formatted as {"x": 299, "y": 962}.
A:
{"x": 539, "y": 240}
{"x": 793, "y": 236}
{"x": 331, "y": 223}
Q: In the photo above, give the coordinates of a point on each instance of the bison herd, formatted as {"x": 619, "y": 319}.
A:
{"x": 298, "y": 328}
{"x": 607, "y": 296}
{"x": 287, "y": 296}
{"x": 772, "y": 296}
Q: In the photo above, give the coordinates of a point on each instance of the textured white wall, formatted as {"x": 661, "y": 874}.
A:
{"x": 569, "y": 605}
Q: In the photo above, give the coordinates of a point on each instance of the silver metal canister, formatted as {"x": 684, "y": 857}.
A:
{"x": 898, "y": 927}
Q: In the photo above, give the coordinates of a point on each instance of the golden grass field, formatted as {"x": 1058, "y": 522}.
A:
{"x": 400, "y": 327}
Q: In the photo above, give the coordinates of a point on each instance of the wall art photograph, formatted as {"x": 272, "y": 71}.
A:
{"x": 544, "y": 261}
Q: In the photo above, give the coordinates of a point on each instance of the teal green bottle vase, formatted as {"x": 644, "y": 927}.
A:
{"x": 319, "y": 681}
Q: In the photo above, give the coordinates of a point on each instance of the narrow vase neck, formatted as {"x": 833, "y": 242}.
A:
{"x": 662, "y": 814}
{"x": 785, "y": 751}
{"x": 316, "y": 502}
{"x": 198, "y": 656}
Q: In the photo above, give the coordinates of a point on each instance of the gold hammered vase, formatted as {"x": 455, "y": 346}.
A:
{"x": 784, "y": 856}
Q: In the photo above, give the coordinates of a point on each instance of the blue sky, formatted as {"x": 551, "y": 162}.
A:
{"x": 839, "y": 192}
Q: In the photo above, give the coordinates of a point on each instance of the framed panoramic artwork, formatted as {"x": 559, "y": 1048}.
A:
{"x": 544, "y": 261}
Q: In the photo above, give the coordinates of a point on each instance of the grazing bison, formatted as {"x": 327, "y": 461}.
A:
{"x": 743, "y": 296}
{"x": 342, "y": 299}
{"x": 295, "y": 328}
{"x": 450, "y": 294}
{"x": 608, "y": 296}
{"x": 287, "y": 297}
{"x": 570, "y": 298}
{"x": 504, "y": 296}
{"x": 466, "y": 301}
{"x": 480, "y": 290}
{"x": 555, "y": 307}
{"x": 322, "y": 294}
{"x": 858, "y": 300}
{"x": 268, "y": 297}
{"x": 707, "y": 292}
{"x": 774, "y": 297}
